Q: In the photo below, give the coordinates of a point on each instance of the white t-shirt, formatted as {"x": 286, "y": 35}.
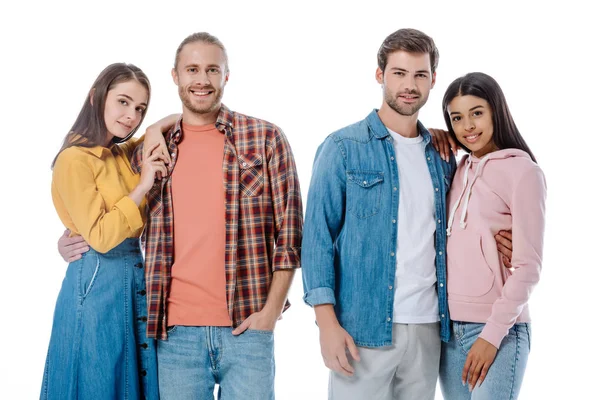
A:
{"x": 415, "y": 296}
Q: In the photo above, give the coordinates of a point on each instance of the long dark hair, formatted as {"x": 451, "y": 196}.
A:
{"x": 506, "y": 135}
{"x": 89, "y": 129}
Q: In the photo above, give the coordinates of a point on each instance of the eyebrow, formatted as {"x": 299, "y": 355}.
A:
{"x": 421, "y": 71}
{"x": 198, "y": 66}
{"x": 471, "y": 109}
{"x": 130, "y": 99}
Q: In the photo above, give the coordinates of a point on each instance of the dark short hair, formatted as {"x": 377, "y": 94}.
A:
{"x": 506, "y": 135}
{"x": 203, "y": 37}
{"x": 411, "y": 41}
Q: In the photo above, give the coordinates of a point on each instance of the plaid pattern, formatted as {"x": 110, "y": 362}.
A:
{"x": 263, "y": 214}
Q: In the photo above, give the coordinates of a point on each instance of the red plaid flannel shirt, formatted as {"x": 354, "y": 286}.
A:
{"x": 263, "y": 214}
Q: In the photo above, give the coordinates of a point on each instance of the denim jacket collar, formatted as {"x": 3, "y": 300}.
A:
{"x": 380, "y": 131}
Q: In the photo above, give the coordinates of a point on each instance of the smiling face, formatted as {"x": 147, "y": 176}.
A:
{"x": 471, "y": 119}
{"x": 407, "y": 81}
{"x": 201, "y": 75}
{"x": 124, "y": 107}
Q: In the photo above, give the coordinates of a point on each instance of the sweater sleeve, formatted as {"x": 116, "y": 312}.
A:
{"x": 103, "y": 230}
{"x": 528, "y": 220}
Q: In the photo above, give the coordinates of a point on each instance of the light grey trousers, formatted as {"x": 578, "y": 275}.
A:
{"x": 407, "y": 370}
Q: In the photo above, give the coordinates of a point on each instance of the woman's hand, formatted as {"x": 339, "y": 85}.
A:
{"x": 153, "y": 167}
{"x": 443, "y": 143}
{"x": 155, "y": 135}
{"x": 480, "y": 358}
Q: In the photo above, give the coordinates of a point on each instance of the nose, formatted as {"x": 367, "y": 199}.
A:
{"x": 131, "y": 114}
{"x": 409, "y": 83}
{"x": 469, "y": 124}
{"x": 203, "y": 78}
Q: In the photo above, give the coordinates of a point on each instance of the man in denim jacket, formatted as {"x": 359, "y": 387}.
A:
{"x": 374, "y": 246}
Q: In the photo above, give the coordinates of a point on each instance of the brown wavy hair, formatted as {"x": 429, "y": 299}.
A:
{"x": 89, "y": 129}
{"x": 411, "y": 41}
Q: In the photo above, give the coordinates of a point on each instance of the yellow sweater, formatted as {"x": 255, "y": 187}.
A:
{"x": 89, "y": 190}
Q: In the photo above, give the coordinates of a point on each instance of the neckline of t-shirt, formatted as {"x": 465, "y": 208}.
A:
{"x": 197, "y": 128}
{"x": 399, "y": 138}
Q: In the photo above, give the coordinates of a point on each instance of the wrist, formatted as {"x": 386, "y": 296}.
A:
{"x": 325, "y": 316}
{"x": 154, "y": 130}
{"x": 271, "y": 313}
{"x": 141, "y": 189}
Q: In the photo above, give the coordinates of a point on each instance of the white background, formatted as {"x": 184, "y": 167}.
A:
{"x": 309, "y": 67}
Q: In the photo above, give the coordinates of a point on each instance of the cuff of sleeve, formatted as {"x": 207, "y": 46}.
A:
{"x": 286, "y": 258}
{"x": 318, "y": 296}
{"x": 131, "y": 212}
{"x": 493, "y": 334}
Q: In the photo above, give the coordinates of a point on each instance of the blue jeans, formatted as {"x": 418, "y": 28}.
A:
{"x": 504, "y": 378}
{"x": 193, "y": 359}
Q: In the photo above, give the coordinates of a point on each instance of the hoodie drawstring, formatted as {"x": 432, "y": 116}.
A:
{"x": 455, "y": 207}
{"x": 463, "y": 218}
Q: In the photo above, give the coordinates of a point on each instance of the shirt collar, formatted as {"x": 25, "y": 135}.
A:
{"x": 97, "y": 151}
{"x": 224, "y": 123}
{"x": 380, "y": 131}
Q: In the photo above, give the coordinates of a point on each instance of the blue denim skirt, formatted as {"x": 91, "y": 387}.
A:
{"x": 98, "y": 347}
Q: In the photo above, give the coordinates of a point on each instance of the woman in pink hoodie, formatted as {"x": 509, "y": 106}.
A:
{"x": 498, "y": 186}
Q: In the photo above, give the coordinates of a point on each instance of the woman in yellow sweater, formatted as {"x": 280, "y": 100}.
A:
{"x": 98, "y": 347}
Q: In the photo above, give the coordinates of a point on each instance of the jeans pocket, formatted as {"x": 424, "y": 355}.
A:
{"x": 171, "y": 329}
{"x": 528, "y": 330}
{"x": 252, "y": 179}
{"x": 88, "y": 273}
{"x": 364, "y": 192}
{"x": 469, "y": 333}
{"x": 260, "y": 332}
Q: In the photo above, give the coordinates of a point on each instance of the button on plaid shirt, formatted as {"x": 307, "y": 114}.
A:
{"x": 263, "y": 214}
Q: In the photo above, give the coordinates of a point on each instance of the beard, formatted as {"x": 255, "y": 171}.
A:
{"x": 404, "y": 109}
{"x": 206, "y": 108}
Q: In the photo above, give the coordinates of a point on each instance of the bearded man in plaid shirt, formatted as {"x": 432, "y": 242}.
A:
{"x": 222, "y": 238}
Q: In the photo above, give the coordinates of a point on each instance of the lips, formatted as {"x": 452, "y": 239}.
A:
{"x": 472, "y": 138}
{"x": 408, "y": 98}
{"x": 125, "y": 125}
{"x": 201, "y": 92}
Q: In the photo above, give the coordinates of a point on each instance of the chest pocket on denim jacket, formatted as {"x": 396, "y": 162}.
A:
{"x": 364, "y": 192}
{"x": 252, "y": 179}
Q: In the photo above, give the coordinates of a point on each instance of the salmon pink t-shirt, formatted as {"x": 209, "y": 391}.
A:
{"x": 197, "y": 294}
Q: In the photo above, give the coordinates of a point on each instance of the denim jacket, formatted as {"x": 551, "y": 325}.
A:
{"x": 349, "y": 244}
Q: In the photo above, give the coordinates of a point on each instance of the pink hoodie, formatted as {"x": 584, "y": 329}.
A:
{"x": 502, "y": 191}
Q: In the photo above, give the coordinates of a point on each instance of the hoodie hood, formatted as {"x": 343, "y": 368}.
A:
{"x": 478, "y": 164}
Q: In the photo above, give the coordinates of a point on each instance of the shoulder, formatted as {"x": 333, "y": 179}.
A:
{"x": 74, "y": 162}
{"x": 74, "y": 154}
{"x": 358, "y": 131}
{"x": 242, "y": 121}
{"x": 520, "y": 168}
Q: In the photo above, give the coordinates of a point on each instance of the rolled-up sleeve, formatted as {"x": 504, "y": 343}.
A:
{"x": 287, "y": 204}
{"x": 324, "y": 220}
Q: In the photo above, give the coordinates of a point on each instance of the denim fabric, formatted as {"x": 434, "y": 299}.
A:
{"x": 98, "y": 347}
{"x": 196, "y": 358}
{"x": 349, "y": 244}
{"x": 505, "y": 376}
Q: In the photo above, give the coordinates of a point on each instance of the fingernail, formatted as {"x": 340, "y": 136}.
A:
{"x": 470, "y": 388}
